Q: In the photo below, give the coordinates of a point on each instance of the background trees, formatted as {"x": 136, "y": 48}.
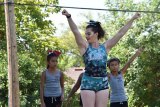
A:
{"x": 35, "y": 35}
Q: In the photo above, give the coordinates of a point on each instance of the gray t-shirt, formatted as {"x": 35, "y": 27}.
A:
{"x": 52, "y": 86}
{"x": 117, "y": 88}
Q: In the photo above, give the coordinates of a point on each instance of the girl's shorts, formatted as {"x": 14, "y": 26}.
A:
{"x": 52, "y": 101}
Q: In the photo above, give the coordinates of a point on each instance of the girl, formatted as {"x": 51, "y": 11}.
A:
{"x": 94, "y": 84}
{"x": 117, "y": 96}
{"x": 52, "y": 82}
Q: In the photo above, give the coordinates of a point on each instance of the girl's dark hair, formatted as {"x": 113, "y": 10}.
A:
{"x": 96, "y": 28}
{"x": 52, "y": 54}
{"x": 111, "y": 60}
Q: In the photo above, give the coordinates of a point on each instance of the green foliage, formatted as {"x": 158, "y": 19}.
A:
{"x": 3, "y": 79}
{"x": 72, "y": 57}
{"x": 35, "y": 35}
{"x": 29, "y": 80}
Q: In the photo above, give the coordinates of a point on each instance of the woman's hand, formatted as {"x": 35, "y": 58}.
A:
{"x": 64, "y": 12}
{"x": 136, "y": 16}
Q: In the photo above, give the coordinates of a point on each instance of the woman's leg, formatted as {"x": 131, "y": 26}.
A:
{"x": 102, "y": 98}
{"x": 88, "y": 98}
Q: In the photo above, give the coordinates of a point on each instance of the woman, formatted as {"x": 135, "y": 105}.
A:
{"x": 94, "y": 85}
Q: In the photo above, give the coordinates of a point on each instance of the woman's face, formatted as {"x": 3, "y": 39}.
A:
{"x": 114, "y": 66}
{"x": 91, "y": 36}
{"x": 53, "y": 62}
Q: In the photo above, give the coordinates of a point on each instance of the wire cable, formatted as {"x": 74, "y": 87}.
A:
{"x": 84, "y": 8}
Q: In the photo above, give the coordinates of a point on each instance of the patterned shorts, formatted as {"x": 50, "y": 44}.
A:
{"x": 94, "y": 83}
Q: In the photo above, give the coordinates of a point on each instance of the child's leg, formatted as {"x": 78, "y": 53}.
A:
{"x": 88, "y": 98}
{"x": 102, "y": 98}
{"x": 119, "y": 104}
{"x": 58, "y": 105}
{"x": 125, "y": 104}
{"x": 58, "y": 102}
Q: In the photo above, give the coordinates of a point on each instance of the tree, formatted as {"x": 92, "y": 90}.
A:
{"x": 35, "y": 35}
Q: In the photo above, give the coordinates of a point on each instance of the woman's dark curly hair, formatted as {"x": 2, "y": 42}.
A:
{"x": 96, "y": 28}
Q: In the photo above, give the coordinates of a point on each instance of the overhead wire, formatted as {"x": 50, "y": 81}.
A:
{"x": 83, "y": 8}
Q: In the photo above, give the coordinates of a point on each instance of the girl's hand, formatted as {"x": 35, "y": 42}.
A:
{"x": 62, "y": 97}
{"x": 64, "y": 12}
{"x": 136, "y": 16}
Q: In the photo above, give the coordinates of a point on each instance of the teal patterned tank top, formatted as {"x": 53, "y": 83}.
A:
{"x": 95, "y": 60}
